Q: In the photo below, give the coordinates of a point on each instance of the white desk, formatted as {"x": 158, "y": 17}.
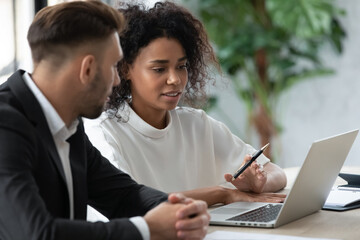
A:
{"x": 322, "y": 224}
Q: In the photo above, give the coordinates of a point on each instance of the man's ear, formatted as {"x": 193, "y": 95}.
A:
{"x": 88, "y": 69}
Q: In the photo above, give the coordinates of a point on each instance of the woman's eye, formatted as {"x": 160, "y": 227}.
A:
{"x": 158, "y": 70}
{"x": 183, "y": 66}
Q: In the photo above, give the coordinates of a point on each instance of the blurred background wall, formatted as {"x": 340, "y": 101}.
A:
{"x": 310, "y": 110}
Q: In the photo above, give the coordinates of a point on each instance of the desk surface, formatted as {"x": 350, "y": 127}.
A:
{"x": 322, "y": 224}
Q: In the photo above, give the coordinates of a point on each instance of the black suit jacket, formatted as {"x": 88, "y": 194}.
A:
{"x": 34, "y": 202}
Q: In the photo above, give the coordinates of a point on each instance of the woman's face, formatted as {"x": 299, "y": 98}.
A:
{"x": 158, "y": 77}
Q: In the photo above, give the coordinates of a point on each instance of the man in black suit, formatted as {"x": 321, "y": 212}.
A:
{"x": 49, "y": 171}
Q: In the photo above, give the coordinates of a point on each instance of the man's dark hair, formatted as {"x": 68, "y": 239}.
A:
{"x": 71, "y": 24}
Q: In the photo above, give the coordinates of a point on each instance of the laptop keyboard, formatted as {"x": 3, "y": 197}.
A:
{"x": 265, "y": 213}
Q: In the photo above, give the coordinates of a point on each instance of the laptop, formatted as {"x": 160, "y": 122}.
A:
{"x": 307, "y": 195}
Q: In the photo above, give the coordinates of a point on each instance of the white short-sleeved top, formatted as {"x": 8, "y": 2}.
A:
{"x": 193, "y": 151}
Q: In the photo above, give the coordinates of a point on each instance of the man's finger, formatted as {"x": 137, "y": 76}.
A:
{"x": 193, "y": 208}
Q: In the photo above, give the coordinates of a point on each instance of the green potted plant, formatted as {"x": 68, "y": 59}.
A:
{"x": 266, "y": 46}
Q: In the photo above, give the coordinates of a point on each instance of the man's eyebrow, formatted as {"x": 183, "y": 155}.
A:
{"x": 159, "y": 61}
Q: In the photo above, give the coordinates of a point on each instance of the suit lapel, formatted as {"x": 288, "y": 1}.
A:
{"x": 35, "y": 114}
{"x": 78, "y": 169}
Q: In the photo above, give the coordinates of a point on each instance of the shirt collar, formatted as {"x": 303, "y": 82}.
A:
{"x": 143, "y": 127}
{"x": 56, "y": 124}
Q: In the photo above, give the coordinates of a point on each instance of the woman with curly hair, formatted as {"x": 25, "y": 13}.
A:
{"x": 145, "y": 133}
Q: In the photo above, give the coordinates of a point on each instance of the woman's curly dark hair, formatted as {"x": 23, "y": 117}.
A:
{"x": 165, "y": 19}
